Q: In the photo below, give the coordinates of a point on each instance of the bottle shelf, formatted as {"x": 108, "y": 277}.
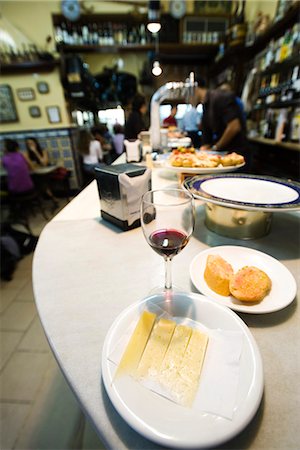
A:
{"x": 278, "y": 105}
{"x": 281, "y": 66}
{"x": 287, "y": 145}
{"x": 172, "y": 48}
{"x": 241, "y": 53}
{"x": 28, "y": 67}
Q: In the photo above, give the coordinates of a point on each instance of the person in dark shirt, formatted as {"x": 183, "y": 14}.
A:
{"x": 18, "y": 169}
{"x": 171, "y": 121}
{"x": 223, "y": 126}
{"x": 135, "y": 122}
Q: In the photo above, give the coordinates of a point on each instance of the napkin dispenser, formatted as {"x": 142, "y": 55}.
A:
{"x": 121, "y": 187}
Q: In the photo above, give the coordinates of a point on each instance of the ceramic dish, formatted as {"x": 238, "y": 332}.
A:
{"x": 168, "y": 423}
{"x": 202, "y": 170}
{"x": 249, "y": 192}
{"x": 283, "y": 289}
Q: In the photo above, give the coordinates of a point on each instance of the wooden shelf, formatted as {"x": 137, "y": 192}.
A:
{"x": 28, "y": 67}
{"x": 277, "y": 105}
{"x": 281, "y": 66}
{"x": 179, "y": 49}
{"x": 287, "y": 145}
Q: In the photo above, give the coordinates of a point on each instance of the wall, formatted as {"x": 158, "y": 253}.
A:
{"x": 55, "y": 97}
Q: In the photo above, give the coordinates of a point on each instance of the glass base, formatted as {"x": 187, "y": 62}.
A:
{"x": 163, "y": 290}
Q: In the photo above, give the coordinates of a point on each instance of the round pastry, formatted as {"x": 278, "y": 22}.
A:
{"x": 217, "y": 274}
{"x": 232, "y": 159}
{"x": 250, "y": 284}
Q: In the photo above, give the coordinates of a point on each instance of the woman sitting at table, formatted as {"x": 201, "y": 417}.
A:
{"x": 91, "y": 151}
{"x": 39, "y": 158}
{"x": 35, "y": 153}
{"x": 18, "y": 169}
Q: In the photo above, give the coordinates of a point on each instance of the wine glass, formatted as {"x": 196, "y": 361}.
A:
{"x": 167, "y": 219}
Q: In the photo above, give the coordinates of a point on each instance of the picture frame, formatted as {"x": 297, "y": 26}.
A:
{"x": 43, "y": 87}
{"x": 25, "y": 94}
{"x": 8, "y": 111}
{"x": 35, "y": 111}
{"x": 53, "y": 114}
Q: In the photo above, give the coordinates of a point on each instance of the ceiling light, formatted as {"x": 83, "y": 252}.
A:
{"x": 153, "y": 16}
{"x": 156, "y": 69}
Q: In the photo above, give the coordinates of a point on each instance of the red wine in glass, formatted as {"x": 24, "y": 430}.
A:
{"x": 168, "y": 242}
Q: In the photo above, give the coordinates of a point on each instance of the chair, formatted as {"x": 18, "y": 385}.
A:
{"x": 61, "y": 177}
{"x": 22, "y": 206}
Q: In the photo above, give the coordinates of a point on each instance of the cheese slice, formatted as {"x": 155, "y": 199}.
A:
{"x": 190, "y": 368}
{"x": 172, "y": 360}
{"x": 136, "y": 345}
{"x": 156, "y": 348}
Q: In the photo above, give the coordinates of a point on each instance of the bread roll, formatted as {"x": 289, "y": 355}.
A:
{"x": 217, "y": 274}
{"x": 250, "y": 284}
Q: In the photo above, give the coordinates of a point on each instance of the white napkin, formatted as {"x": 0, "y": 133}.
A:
{"x": 220, "y": 375}
{"x": 218, "y": 385}
{"x": 133, "y": 188}
{"x": 132, "y": 150}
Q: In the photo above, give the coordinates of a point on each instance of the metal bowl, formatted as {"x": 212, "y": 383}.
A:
{"x": 237, "y": 223}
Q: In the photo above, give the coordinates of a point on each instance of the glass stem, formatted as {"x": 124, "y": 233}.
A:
{"x": 168, "y": 273}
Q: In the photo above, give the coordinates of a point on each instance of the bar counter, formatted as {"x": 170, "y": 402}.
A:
{"x": 86, "y": 271}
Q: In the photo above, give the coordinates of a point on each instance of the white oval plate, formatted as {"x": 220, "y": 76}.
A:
{"x": 203, "y": 170}
{"x": 249, "y": 192}
{"x": 163, "y": 421}
{"x": 283, "y": 289}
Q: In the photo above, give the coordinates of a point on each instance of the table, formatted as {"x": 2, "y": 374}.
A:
{"x": 86, "y": 271}
{"x": 36, "y": 171}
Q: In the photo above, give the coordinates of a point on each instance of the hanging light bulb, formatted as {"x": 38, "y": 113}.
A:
{"x": 156, "y": 69}
{"x": 154, "y": 27}
{"x": 154, "y": 24}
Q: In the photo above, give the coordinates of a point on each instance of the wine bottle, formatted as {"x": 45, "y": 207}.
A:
{"x": 295, "y": 126}
{"x": 240, "y": 17}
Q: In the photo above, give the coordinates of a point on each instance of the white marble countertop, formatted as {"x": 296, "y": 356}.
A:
{"x": 86, "y": 271}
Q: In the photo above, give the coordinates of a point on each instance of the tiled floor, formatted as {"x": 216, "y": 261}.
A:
{"x": 37, "y": 408}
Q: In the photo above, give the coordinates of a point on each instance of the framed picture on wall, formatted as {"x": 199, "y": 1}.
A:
{"x": 35, "y": 111}
{"x": 8, "y": 112}
{"x": 42, "y": 87}
{"x": 53, "y": 113}
{"x": 26, "y": 94}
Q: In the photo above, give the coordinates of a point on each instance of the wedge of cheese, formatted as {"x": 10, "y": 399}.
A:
{"x": 136, "y": 345}
{"x": 187, "y": 381}
{"x": 156, "y": 348}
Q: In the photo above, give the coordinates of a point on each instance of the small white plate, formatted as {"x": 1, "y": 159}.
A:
{"x": 203, "y": 170}
{"x": 168, "y": 423}
{"x": 283, "y": 289}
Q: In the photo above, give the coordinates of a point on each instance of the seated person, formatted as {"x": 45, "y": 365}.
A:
{"x": 91, "y": 151}
{"x": 170, "y": 121}
{"x": 18, "y": 169}
{"x": 101, "y": 134}
{"x": 39, "y": 158}
{"x": 37, "y": 155}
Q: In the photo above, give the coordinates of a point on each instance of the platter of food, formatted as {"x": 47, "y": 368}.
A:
{"x": 243, "y": 279}
{"x": 245, "y": 191}
{"x": 218, "y": 341}
{"x": 191, "y": 161}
